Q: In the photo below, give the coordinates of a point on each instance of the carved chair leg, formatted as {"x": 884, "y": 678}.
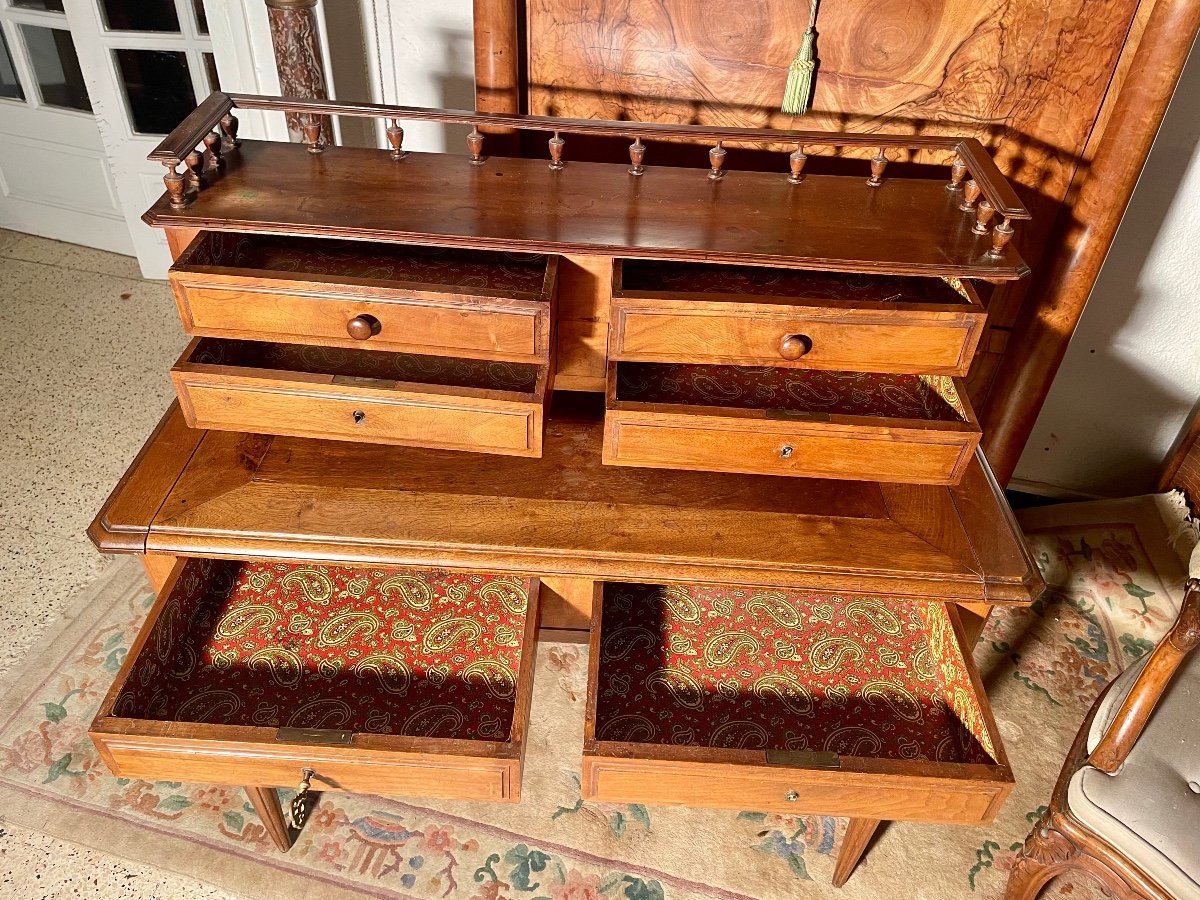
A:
{"x": 1047, "y": 852}
{"x": 854, "y": 844}
{"x": 265, "y": 801}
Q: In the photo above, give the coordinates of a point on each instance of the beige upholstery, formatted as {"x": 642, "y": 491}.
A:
{"x": 1150, "y": 810}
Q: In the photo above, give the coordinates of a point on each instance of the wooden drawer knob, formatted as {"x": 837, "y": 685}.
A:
{"x": 794, "y": 346}
{"x": 362, "y": 327}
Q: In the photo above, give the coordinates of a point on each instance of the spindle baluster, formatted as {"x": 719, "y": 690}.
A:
{"x": 475, "y": 145}
{"x": 716, "y": 159}
{"x": 229, "y": 125}
{"x": 312, "y": 134}
{"x": 983, "y": 215}
{"x": 971, "y": 193}
{"x": 176, "y": 187}
{"x": 195, "y": 165}
{"x": 556, "y": 151}
{"x": 637, "y": 153}
{"x": 878, "y": 164}
{"x": 796, "y": 161}
{"x": 1001, "y": 235}
{"x": 395, "y": 136}
{"x": 212, "y": 143}
{"x": 958, "y": 169}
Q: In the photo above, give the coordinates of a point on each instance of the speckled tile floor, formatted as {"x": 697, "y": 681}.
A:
{"x": 85, "y": 345}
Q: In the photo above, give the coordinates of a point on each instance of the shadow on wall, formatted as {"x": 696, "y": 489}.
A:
{"x": 1131, "y": 376}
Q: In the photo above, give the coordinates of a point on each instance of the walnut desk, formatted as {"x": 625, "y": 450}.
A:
{"x": 759, "y": 497}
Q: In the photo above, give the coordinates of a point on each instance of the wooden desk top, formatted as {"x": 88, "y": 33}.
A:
{"x": 829, "y": 222}
{"x": 211, "y": 493}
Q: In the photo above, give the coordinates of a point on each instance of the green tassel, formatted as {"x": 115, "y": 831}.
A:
{"x": 798, "y": 94}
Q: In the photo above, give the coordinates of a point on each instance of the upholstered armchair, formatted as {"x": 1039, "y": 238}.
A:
{"x": 1126, "y": 808}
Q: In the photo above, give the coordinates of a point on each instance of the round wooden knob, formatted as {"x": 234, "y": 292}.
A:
{"x": 794, "y": 346}
{"x": 362, "y": 327}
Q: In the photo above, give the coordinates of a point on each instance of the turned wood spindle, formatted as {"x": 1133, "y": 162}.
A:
{"x": 212, "y": 143}
{"x": 229, "y": 125}
{"x": 878, "y": 164}
{"x": 475, "y": 145}
{"x": 796, "y": 161}
{"x": 971, "y": 193}
{"x": 312, "y": 134}
{"x": 958, "y": 169}
{"x": 556, "y": 151}
{"x": 395, "y": 136}
{"x": 195, "y": 165}
{"x": 983, "y": 215}
{"x": 1001, "y": 235}
{"x": 716, "y": 159}
{"x": 637, "y": 153}
{"x": 176, "y": 187}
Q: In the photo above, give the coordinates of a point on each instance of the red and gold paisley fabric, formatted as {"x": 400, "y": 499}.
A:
{"x": 724, "y": 667}
{"x": 483, "y": 269}
{"x": 787, "y": 284}
{"x": 312, "y": 646}
{"x": 931, "y": 397}
{"x": 382, "y": 364}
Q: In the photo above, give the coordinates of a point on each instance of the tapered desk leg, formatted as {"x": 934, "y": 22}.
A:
{"x": 265, "y": 801}
{"x": 854, "y": 842}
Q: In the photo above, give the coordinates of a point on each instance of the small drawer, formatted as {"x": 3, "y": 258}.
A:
{"x": 374, "y": 296}
{"x": 742, "y": 315}
{"x": 772, "y": 421}
{"x": 395, "y": 682}
{"x": 351, "y": 395}
{"x": 788, "y": 702}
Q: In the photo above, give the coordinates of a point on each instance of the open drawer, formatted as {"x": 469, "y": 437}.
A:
{"x": 394, "y": 682}
{"x": 788, "y": 703}
{"x": 752, "y": 316}
{"x": 352, "y": 395}
{"x": 774, "y": 421}
{"x": 376, "y": 296}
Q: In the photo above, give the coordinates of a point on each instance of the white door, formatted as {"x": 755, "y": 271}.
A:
{"x": 147, "y": 64}
{"x": 54, "y": 178}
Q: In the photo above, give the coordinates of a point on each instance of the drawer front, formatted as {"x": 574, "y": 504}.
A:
{"x": 795, "y": 791}
{"x": 365, "y": 772}
{"x": 449, "y": 422}
{"x": 865, "y": 341}
{"x": 353, "y": 318}
{"x": 806, "y": 450}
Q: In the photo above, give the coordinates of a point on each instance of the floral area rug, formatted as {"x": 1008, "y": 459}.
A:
{"x": 1115, "y": 586}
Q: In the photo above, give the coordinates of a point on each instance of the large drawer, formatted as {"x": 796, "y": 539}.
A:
{"x": 775, "y": 421}
{"x": 789, "y": 703}
{"x": 742, "y": 315}
{"x": 396, "y": 682}
{"x": 485, "y": 406}
{"x": 375, "y": 296}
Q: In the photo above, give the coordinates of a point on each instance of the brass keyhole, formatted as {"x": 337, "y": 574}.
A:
{"x": 786, "y": 451}
{"x": 359, "y": 417}
{"x": 791, "y": 796}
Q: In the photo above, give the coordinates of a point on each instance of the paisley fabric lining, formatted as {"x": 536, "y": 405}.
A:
{"x": 794, "y": 285}
{"x": 721, "y": 667}
{"x": 362, "y": 649}
{"x": 383, "y": 262}
{"x": 930, "y": 397}
{"x": 382, "y": 364}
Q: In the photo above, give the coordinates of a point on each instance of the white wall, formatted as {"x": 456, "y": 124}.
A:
{"x": 1131, "y": 375}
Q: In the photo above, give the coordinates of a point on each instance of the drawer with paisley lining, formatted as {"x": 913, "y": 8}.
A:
{"x": 788, "y": 702}
{"x": 486, "y": 406}
{"x": 396, "y": 297}
{"x": 395, "y": 682}
{"x": 743, "y": 315}
{"x": 774, "y": 421}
